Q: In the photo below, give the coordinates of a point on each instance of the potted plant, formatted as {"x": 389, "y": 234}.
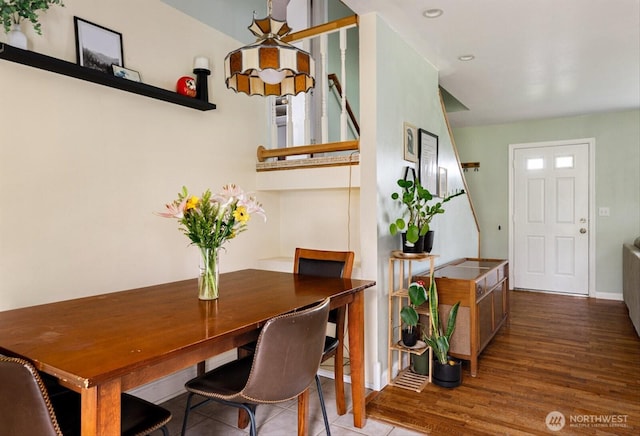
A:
{"x": 415, "y": 227}
{"x": 13, "y": 12}
{"x": 410, "y": 316}
{"x": 447, "y": 372}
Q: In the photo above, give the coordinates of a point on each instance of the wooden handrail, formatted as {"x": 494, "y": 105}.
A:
{"x": 265, "y": 153}
{"x": 329, "y": 27}
{"x": 336, "y": 82}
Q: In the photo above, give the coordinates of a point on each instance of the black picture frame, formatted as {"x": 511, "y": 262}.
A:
{"x": 409, "y": 132}
{"x": 428, "y": 161}
{"x": 97, "y": 47}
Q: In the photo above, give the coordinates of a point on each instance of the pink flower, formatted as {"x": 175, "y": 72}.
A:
{"x": 174, "y": 210}
{"x": 253, "y": 207}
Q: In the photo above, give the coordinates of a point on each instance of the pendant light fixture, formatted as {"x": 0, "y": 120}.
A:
{"x": 269, "y": 66}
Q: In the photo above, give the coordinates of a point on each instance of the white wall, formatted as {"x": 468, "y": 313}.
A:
{"x": 83, "y": 167}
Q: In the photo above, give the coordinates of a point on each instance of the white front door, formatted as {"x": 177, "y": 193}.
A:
{"x": 551, "y": 218}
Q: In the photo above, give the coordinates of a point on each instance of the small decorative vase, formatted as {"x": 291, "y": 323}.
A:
{"x": 16, "y": 38}
{"x": 209, "y": 274}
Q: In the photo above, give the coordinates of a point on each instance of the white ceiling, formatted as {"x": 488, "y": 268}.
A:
{"x": 533, "y": 58}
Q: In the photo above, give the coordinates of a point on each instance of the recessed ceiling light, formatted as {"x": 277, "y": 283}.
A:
{"x": 433, "y": 13}
{"x": 466, "y": 58}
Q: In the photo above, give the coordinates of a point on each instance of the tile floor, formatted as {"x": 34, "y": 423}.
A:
{"x": 276, "y": 420}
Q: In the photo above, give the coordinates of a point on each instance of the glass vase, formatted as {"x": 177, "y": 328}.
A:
{"x": 209, "y": 274}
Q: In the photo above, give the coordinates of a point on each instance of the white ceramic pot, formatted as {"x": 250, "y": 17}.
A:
{"x": 17, "y": 38}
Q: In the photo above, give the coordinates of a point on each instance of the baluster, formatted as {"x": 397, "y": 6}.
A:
{"x": 274, "y": 122}
{"x": 324, "y": 91}
{"x": 343, "y": 72}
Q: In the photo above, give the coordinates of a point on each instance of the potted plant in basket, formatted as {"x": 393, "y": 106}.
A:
{"x": 410, "y": 316}
{"x": 447, "y": 372}
{"x": 415, "y": 227}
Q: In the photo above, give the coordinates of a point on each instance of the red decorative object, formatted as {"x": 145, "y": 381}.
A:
{"x": 186, "y": 86}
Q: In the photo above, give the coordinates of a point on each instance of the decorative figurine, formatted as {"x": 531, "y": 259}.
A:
{"x": 186, "y": 86}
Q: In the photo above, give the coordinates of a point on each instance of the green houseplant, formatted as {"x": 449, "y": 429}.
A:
{"x": 15, "y": 11}
{"x": 439, "y": 340}
{"x": 418, "y": 213}
{"x": 409, "y": 314}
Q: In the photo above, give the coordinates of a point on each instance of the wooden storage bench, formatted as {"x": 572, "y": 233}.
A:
{"x": 482, "y": 287}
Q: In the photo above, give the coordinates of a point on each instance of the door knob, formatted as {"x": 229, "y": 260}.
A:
{"x": 583, "y": 230}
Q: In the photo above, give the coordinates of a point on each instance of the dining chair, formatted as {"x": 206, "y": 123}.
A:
{"x": 26, "y": 408}
{"x": 323, "y": 263}
{"x": 329, "y": 264}
{"x": 286, "y": 359}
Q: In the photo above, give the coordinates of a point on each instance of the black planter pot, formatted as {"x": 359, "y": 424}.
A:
{"x": 447, "y": 376}
{"x": 410, "y": 338}
{"x": 418, "y": 247}
{"x": 428, "y": 241}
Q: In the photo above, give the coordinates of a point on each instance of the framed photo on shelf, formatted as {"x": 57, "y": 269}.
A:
{"x": 97, "y": 47}
{"x": 442, "y": 182}
{"x": 428, "y": 174}
{"x": 410, "y": 142}
{"x": 126, "y": 73}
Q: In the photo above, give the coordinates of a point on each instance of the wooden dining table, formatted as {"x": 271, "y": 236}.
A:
{"x": 106, "y": 344}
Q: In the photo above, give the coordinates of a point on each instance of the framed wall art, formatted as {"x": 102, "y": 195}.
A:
{"x": 410, "y": 142}
{"x": 428, "y": 173}
{"x": 442, "y": 182}
{"x": 126, "y": 73}
{"x": 97, "y": 47}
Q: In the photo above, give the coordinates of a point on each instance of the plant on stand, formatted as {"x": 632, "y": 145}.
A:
{"x": 410, "y": 316}
{"x": 439, "y": 340}
{"x": 13, "y": 12}
{"x": 209, "y": 221}
{"x": 416, "y": 200}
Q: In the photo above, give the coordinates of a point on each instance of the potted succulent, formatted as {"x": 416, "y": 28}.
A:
{"x": 410, "y": 316}
{"x": 13, "y": 12}
{"x": 416, "y": 227}
{"x": 447, "y": 371}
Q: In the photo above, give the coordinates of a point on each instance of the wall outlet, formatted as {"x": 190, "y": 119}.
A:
{"x": 603, "y": 211}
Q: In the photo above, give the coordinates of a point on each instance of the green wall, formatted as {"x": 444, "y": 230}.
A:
{"x": 385, "y": 104}
{"x": 617, "y": 181}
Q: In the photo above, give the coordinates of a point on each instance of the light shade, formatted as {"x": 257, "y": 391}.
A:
{"x": 257, "y": 68}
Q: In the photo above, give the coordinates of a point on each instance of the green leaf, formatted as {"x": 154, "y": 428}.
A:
{"x": 409, "y": 316}
{"x": 451, "y": 324}
{"x": 413, "y": 233}
{"x": 417, "y": 294}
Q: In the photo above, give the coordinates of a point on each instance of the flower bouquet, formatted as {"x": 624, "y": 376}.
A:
{"x": 209, "y": 221}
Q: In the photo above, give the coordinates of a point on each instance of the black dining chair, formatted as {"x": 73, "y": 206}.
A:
{"x": 286, "y": 360}
{"x": 26, "y": 408}
{"x": 323, "y": 263}
{"x": 329, "y": 264}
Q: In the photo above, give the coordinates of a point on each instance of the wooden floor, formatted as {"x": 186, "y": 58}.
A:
{"x": 577, "y": 356}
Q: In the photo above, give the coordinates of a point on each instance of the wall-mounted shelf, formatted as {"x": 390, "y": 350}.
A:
{"x": 59, "y": 66}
